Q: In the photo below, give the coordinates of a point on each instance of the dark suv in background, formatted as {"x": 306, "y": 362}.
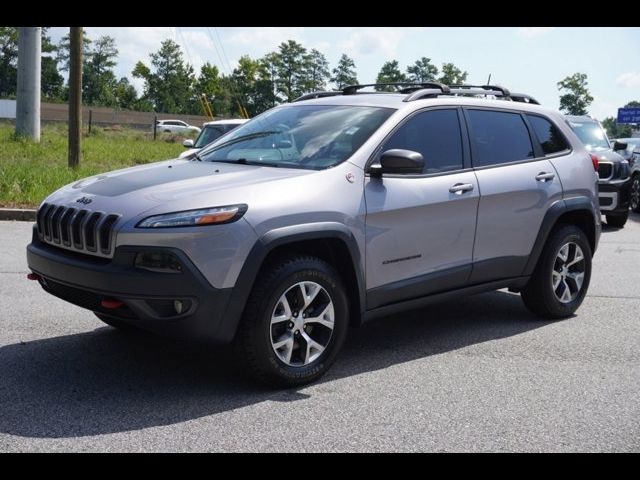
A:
{"x": 613, "y": 170}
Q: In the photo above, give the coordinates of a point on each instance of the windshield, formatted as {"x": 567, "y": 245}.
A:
{"x": 591, "y": 134}
{"x": 300, "y": 136}
{"x": 210, "y": 133}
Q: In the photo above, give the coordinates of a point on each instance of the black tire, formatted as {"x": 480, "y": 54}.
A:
{"x": 115, "y": 323}
{"x": 253, "y": 338}
{"x": 618, "y": 220}
{"x": 538, "y": 295}
{"x": 634, "y": 200}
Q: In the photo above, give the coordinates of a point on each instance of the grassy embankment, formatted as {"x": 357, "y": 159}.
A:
{"x": 31, "y": 171}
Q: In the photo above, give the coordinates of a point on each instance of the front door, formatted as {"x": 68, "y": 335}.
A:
{"x": 420, "y": 228}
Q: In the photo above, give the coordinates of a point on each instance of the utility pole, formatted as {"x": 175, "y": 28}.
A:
{"x": 75, "y": 96}
{"x": 28, "y": 101}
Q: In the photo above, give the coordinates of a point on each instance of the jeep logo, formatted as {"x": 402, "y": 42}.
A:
{"x": 84, "y": 200}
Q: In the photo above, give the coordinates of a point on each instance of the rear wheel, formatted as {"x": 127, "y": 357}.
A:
{"x": 635, "y": 194}
{"x": 617, "y": 220}
{"x": 295, "y": 322}
{"x": 561, "y": 278}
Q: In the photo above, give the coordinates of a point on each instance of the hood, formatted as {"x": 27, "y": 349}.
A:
{"x": 607, "y": 155}
{"x": 171, "y": 185}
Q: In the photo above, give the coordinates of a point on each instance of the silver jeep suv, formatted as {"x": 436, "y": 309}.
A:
{"x": 326, "y": 213}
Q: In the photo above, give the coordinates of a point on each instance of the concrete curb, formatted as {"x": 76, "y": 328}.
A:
{"x": 22, "y": 214}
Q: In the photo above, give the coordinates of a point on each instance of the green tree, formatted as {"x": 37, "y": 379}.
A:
{"x": 345, "y": 73}
{"x": 422, "y": 71}
{"x": 8, "y": 60}
{"x": 98, "y": 79}
{"x": 125, "y": 95}
{"x": 633, "y": 103}
{"x": 452, "y": 75}
{"x": 51, "y": 80}
{"x": 291, "y": 70}
{"x": 169, "y": 87}
{"x": 268, "y": 80}
{"x": 390, "y": 73}
{"x": 317, "y": 71}
{"x": 63, "y": 47}
{"x": 577, "y": 99}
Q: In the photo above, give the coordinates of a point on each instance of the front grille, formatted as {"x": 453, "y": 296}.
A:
{"x": 77, "y": 229}
{"x": 605, "y": 170}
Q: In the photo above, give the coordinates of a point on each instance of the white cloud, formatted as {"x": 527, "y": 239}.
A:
{"x": 601, "y": 108}
{"x": 533, "y": 32}
{"x": 629, "y": 80}
{"x": 379, "y": 41}
{"x": 266, "y": 37}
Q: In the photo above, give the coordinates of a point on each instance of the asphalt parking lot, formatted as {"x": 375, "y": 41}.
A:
{"x": 478, "y": 374}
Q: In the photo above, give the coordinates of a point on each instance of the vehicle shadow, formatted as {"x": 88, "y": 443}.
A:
{"x": 106, "y": 381}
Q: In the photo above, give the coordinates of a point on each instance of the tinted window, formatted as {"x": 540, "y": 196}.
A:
{"x": 548, "y": 134}
{"x": 499, "y": 137}
{"x": 436, "y": 135}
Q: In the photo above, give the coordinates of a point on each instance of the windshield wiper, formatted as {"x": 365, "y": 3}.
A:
{"x": 244, "y": 161}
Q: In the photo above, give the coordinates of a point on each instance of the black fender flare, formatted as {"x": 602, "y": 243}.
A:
{"x": 556, "y": 210}
{"x": 276, "y": 238}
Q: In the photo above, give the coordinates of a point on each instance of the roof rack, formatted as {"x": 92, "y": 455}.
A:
{"x": 407, "y": 87}
{"x": 417, "y": 91}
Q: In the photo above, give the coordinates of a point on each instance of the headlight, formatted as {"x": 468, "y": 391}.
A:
{"x": 194, "y": 218}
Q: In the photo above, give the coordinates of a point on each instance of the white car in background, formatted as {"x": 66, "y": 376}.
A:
{"x": 211, "y": 131}
{"x": 175, "y": 126}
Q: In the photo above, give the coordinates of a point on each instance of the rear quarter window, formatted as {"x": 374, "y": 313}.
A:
{"x": 550, "y": 138}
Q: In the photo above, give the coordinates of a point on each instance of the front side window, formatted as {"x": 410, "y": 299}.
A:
{"x": 498, "y": 137}
{"x": 548, "y": 135}
{"x": 299, "y": 136}
{"x": 436, "y": 135}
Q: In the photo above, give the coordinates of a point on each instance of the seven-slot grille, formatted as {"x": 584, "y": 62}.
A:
{"x": 77, "y": 229}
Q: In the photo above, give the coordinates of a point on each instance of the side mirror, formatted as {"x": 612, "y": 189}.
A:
{"x": 398, "y": 161}
{"x": 188, "y": 143}
{"x": 619, "y": 146}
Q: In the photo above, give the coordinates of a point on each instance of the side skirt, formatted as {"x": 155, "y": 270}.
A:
{"x": 515, "y": 282}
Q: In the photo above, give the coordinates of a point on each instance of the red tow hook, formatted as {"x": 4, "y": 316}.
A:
{"x": 111, "y": 303}
{"x": 33, "y": 276}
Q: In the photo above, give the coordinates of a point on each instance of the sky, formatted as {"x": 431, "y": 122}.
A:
{"x": 524, "y": 59}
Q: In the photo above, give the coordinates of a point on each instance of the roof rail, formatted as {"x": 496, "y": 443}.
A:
{"x": 319, "y": 94}
{"x": 421, "y": 90}
{"x": 524, "y": 98}
{"x": 408, "y": 87}
{"x": 497, "y": 88}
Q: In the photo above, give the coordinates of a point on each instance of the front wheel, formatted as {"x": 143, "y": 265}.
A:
{"x": 295, "y": 322}
{"x": 618, "y": 220}
{"x": 561, "y": 278}
{"x": 635, "y": 194}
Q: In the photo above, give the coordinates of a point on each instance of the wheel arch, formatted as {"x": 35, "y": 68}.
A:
{"x": 574, "y": 211}
{"x": 332, "y": 242}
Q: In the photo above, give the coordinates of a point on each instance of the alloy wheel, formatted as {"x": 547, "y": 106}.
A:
{"x": 568, "y": 272}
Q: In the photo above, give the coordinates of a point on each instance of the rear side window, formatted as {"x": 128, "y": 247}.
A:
{"x": 436, "y": 135}
{"x": 551, "y": 140}
{"x": 498, "y": 137}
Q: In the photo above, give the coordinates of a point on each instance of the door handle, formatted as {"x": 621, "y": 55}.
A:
{"x": 544, "y": 176}
{"x": 460, "y": 188}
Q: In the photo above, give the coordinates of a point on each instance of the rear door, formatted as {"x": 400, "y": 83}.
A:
{"x": 517, "y": 186}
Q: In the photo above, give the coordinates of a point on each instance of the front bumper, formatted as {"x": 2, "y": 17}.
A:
{"x": 614, "y": 196}
{"x": 147, "y": 297}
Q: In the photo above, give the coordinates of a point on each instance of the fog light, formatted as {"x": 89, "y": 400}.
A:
{"x": 177, "y": 304}
{"x": 164, "y": 262}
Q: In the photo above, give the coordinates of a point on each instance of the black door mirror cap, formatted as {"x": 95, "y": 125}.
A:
{"x": 398, "y": 160}
{"x": 619, "y": 146}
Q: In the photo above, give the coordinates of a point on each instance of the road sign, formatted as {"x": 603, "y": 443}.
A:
{"x": 629, "y": 115}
